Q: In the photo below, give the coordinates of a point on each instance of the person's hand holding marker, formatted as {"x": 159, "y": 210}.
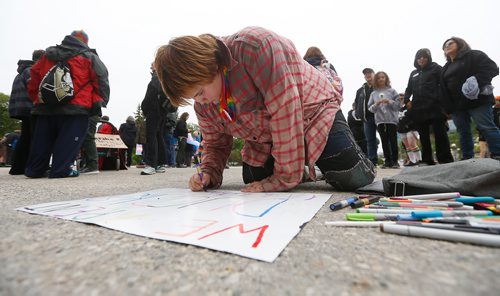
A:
{"x": 199, "y": 181}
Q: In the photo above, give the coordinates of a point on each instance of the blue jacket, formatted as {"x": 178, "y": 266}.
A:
{"x": 20, "y": 103}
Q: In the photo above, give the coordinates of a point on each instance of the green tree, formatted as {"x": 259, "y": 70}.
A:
{"x": 235, "y": 156}
{"x": 140, "y": 138}
{"x": 193, "y": 127}
{"x": 7, "y": 124}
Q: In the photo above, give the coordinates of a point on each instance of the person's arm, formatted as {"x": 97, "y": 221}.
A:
{"x": 35, "y": 79}
{"x": 372, "y": 106}
{"x": 394, "y": 102}
{"x": 216, "y": 145}
{"x": 100, "y": 79}
{"x": 268, "y": 67}
{"x": 409, "y": 92}
{"x": 148, "y": 103}
{"x": 485, "y": 68}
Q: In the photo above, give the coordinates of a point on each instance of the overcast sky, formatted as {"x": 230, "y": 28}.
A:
{"x": 380, "y": 34}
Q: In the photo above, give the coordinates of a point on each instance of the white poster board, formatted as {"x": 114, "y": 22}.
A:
{"x": 253, "y": 225}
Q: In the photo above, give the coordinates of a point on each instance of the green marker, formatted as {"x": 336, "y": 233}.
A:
{"x": 371, "y": 217}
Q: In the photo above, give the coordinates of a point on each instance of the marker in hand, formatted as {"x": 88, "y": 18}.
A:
{"x": 200, "y": 173}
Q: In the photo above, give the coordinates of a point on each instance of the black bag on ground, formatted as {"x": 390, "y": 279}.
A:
{"x": 475, "y": 177}
{"x": 56, "y": 86}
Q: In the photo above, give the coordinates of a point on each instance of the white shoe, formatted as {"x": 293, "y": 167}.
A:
{"x": 148, "y": 171}
{"x": 161, "y": 169}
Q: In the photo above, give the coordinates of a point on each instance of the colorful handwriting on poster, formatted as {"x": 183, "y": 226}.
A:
{"x": 254, "y": 225}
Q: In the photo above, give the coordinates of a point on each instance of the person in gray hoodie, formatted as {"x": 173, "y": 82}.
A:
{"x": 384, "y": 103}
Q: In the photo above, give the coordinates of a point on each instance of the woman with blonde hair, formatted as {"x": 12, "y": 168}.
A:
{"x": 384, "y": 103}
{"x": 254, "y": 85}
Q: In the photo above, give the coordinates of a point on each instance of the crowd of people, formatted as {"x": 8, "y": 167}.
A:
{"x": 253, "y": 85}
{"x": 460, "y": 90}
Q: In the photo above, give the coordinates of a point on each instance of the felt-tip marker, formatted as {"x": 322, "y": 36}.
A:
{"x": 200, "y": 173}
{"x": 364, "y": 201}
{"x": 343, "y": 203}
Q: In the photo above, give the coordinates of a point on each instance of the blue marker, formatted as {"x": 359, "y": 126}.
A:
{"x": 472, "y": 200}
{"x": 343, "y": 203}
{"x": 457, "y": 213}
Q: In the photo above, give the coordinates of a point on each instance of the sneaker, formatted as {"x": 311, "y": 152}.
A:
{"x": 161, "y": 169}
{"x": 182, "y": 166}
{"x": 395, "y": 166}
{"x": 140, "y": 166}
{"x": 148, "y": 171}
{"x": 409, "y": 164}
{"x": 73, "y": 173}
{"x": 89, "y": 171}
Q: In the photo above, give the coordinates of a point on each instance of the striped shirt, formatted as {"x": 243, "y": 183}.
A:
{"x": 284, "y": 108}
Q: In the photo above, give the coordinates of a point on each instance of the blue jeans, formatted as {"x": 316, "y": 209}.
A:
{"x": 483, "y": 116}
{"x": 371, "y": 139}
{"x": 170, "y": 148}
{"x": 342, "y": 162}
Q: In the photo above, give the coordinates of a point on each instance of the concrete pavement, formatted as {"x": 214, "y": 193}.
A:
{"x": 46, "y": 256}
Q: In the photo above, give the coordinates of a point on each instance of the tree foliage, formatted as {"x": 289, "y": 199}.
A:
{"x": 7, "y": 124}
{"x": 235, "y": 156}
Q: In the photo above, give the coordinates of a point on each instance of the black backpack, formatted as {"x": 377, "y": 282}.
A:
{"x": 56, "y": 86}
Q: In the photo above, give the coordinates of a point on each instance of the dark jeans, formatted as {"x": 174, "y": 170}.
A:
{"x": 188, "y": 157}
{"x": 370, "y": 129}
{"x": 389, "y": 139}
{"x": 155, "y": 129}
{"x": 130, "y": 150}
{"x": 60, "y": 136}
{"x": 442, "y": 142}
{"x": 181, "y": 151}
{"x": 89, "y": 149}
{"x": 342, "y": 162}
{"x": 22, "y": 151}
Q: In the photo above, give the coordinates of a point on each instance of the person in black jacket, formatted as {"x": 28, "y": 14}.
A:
{"x": 368, "y": 118}
{"x": 181, "y": 132}
{"x": 20, "y": 106}
{"x": 424, "y": 110}
{"x": 128, "y": 132}
{"x": 467, "y": 92}
{"x": 154, "y": 107}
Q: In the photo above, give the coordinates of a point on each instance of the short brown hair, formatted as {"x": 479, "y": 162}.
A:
{"x": 313, "y": 52}
{"x": 387, "y": 80}
{"x": 186, "y": 62}
{"x": 462, "y": 46}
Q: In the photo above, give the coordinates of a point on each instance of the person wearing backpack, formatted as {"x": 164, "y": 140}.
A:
{"x": 20, "y": 106}
{"x": 66, "y": 84}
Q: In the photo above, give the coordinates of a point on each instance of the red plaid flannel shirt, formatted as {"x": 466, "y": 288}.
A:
{"x": 284, "y": 108}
